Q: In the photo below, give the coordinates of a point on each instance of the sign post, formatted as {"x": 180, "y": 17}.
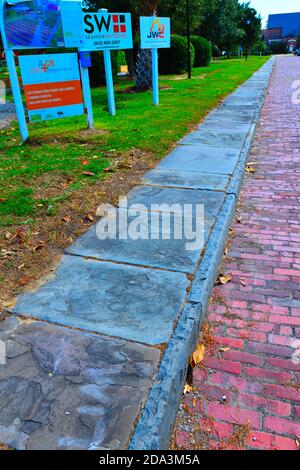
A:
{"x": 155, "y": 79}
{"x": 14, "y": 80}
{"x": 85, "y": 63}
{"x": 155, "y": 33}
{"x": 109, "y": 83}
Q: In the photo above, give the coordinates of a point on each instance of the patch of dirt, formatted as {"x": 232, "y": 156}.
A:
{"x": 51, "y": 184}
{"x": 80, "y": 137}
{"x": 26, "y": 253}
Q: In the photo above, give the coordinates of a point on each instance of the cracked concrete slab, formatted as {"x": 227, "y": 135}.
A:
{"x": 201, "y": 158}
{"x": 215, "y": 138}
{"x": 129, "y": 302}
{"x": 63, "y": 389}
{"x": 186, "y": 179}
{"x": 149, "y": 196}
{"x": 164, "y": 251}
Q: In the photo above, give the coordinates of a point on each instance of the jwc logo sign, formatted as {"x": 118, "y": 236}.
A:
{"x": 107, "y": 31}
{"x": 155, "y": 32}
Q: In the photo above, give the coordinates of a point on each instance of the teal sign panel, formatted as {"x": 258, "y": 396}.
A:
{"x": 52, "y": 86}
{"x": 155, "y": 32}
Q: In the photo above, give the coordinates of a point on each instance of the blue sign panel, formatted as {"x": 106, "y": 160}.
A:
{"x": 107, "y": 31}
{"x": 52, "y": 86}
{"x": 155, "y": 32}
{"x": 72, "y": 21}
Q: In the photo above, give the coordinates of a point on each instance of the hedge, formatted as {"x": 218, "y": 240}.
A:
{"x": 174, "y": 60}
{"x": 202, "y": 51}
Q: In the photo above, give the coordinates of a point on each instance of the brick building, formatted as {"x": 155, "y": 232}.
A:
{"x": 283, "y": 27}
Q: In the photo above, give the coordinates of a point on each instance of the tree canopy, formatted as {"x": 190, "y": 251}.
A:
{"x": 226, "y": 23}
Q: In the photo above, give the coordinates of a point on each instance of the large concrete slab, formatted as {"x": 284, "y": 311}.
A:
{"x": 160, "y": 250}
{"x": 187, "y": 179}
{"x": 201, "y": 158}
{"x": 228, "y": 115}
{"x": 62, "y": 389}
{"x": 214, "y": 125}
{"x": 124, "y": 301}
{"x": 236, "y": 100}
{"x": 215, "y": 138}
{"x": 150, "y": 196}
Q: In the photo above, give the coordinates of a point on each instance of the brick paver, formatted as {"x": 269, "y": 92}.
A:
{"x": 247, "y": 389}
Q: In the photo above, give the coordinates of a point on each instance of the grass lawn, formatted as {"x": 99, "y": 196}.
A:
{"x": 51, "y": 186}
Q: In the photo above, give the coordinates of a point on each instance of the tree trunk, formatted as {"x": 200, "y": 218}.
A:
{"x": 143, "y": 68}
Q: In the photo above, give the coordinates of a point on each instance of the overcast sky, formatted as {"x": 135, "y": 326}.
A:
{"x": 265, "y": 7}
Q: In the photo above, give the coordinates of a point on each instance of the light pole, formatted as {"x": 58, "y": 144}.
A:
{"x": 248, "y": 22}
{"x": 188, "y": 30}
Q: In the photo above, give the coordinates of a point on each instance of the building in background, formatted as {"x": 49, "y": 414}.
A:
{"x": 283, "y": 27}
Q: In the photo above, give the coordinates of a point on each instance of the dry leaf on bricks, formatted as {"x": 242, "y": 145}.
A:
{"x": 188, "y": 389}
{"x": 198, "y": 354}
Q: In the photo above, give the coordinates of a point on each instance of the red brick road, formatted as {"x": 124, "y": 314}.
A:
{"x": 247, "y": 390}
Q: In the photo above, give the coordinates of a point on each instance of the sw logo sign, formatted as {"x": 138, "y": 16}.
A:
{"x": 107, "y": 31}
{"x": 95, "y": 23}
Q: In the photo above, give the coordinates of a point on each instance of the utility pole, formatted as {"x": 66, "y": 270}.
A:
{"x": 188, "y": 27}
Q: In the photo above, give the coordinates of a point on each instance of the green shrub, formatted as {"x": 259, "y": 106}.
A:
{"x": 216, "y": 51}
{"x": 121, "y": 59}
{"x": 174, "y": 60}
{"x": 202, "y": 51}
{"x": 97, "y": 70}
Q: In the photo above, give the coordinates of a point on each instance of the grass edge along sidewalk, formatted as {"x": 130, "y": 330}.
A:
{"x": 154, "y": 428}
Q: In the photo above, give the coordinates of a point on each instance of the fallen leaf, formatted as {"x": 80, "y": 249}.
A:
{"x": 67, "y": 218}
{"x": 84, "y": 162}
{"x": 243, "y": 282}
{"x": 2, "y": 199}
{"x": 188, "y": 389}
{"x": 90, "y": 217}
{"x": 6, "y": 253}
{"x": 23, "y": 281}
{"x": 250, "y": 169}
{"x": 88, "y": 173}
{"x": 40, "y": 245}
{"x": 10, "y": 303}
{"x": 198, "y": 355}
{"x": 224, "y": 349}
{"x": 7, "y": 235}
{"x": 224, "y": 279}
{"x": 109, "y": 169}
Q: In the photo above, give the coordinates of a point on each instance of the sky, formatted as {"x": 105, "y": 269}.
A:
{"x": 265, "y": 7}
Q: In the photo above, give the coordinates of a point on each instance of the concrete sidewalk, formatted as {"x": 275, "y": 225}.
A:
{"x": 247, "y": 389}
{"x": 111, "y": 375}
